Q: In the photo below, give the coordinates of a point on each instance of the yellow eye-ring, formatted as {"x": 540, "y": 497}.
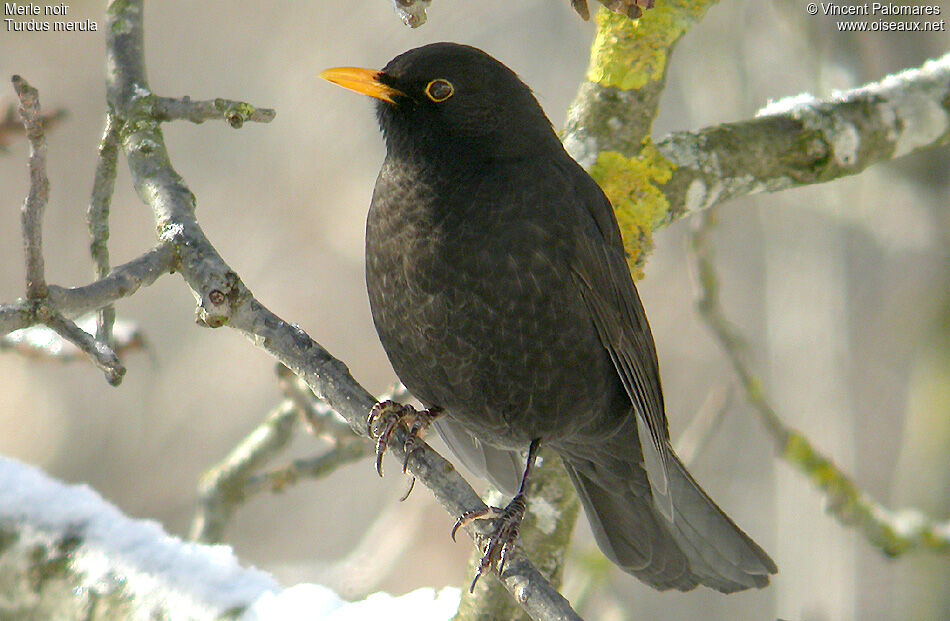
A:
{"x": 439, "y": 90}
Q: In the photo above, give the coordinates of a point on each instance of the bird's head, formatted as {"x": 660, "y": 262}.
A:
{"x": 447, "y": 100}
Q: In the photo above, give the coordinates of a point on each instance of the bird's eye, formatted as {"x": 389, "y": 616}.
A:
{"x": 439, "y": 90}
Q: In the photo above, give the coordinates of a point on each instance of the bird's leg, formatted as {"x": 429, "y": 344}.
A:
{"x": 386, "y": 416}
{"x": 503, "y": 537}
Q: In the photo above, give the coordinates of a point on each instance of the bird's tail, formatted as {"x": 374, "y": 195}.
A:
{"x": 701, "y": 545}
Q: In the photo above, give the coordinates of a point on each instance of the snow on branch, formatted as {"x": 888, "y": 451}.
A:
{"x": 802, "y": 140}
{"x": 56, "y": 538}
{"x": 67, "y": 553}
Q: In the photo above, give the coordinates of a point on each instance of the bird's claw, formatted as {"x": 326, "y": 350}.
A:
{"x": 502, "y": 539}
{"x": 382, "y": 421}
{"x": 380, "y": 424}
{"x": 421, "y": 420}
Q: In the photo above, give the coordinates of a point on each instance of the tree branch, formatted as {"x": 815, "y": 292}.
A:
{"x": 223, "y": 488}
{"x": 121, "y": 282}
{"x": 802, "y": 140}
{"x": 36, "y": 309}
{"x": 230, "y": 483}
{"x": 610, "y": 119}
{"x": 11, "y": 127}
{"x": 235, "y": 113}
{"x": 797, "y": 141}
{"x": 97, "y": 219}
{"x": 101, "y": 354}
{"x": 31, "y": 215}
{"x": 615, "y": 106}
{"x": 43, "y": 342}
{"x": 893, "y": 532}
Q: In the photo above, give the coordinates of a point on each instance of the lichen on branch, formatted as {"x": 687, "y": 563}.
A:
{"x": 634, "y": 187}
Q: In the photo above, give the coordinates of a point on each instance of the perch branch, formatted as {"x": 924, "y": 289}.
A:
{"x": 893, "y": 532}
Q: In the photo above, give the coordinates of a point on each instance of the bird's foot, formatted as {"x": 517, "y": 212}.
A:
{"x": 502, "y": 539}
{"x": 383, "y": 420}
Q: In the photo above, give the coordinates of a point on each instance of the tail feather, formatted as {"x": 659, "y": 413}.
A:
{"x": 701, "y": 545}
{"x": 629, "y": 532}
{"x": 722, "y": 555}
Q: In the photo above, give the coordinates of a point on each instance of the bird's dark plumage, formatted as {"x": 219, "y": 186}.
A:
{"x": 500, "y": 291}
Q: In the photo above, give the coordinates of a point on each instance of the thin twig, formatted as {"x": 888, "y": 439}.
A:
{"x": 41, "y": 341}
{"x": 893, "y": 532}
{"x": 226, "y": 486}
{"x": 411, "y": 12}
{"x": 729, "y": 338}
{"x": 31, "y": 215}
{"x": 100, "y": 353}
{"x": 37, "y": 308}
{"x": 97, "y": 219}
{"x": 319, "y": 467}
{"x": 235, "y": 113}
{"x": 121, "y": 282}
{"x": 223, "y": 487}
{"x": 11, "y": 127}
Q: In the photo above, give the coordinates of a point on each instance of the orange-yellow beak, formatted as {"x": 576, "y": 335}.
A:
{"x": 363, "y": 81}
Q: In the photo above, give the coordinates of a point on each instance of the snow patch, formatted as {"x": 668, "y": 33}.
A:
{"x": 787, "y": 105}
{"x": 306, "y": 602}
{"x": 151, "y": 561}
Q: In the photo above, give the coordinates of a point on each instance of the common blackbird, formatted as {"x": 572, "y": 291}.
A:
{"x": 501, "y": 294}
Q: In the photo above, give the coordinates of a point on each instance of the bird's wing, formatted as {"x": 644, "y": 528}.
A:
{"x": 600, "y": 270}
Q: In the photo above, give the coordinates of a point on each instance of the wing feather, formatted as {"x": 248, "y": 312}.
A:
{"x": 601, "y": 273}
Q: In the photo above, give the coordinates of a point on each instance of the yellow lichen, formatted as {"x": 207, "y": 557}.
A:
{"x": 633, "y": 187}
{"x": 627, "y": 54}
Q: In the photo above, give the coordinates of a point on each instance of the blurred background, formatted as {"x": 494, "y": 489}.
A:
{"x": 843, "y": 291}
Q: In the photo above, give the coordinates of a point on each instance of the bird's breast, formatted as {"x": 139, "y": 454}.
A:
{"x": 474, "y": 304}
